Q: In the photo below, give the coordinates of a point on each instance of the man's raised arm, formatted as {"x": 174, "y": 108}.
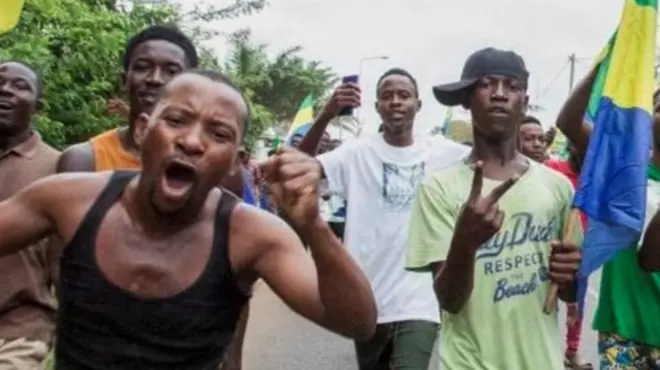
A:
{"x": 649, "y": 251}
{"x": 345, "y": 96}
{"x": 329, "y": 288}
{"x": 570, "y": 119}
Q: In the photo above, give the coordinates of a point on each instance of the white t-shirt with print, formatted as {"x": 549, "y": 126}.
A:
{"x": 329, "y": 207}
{"x": 378, "y": 182}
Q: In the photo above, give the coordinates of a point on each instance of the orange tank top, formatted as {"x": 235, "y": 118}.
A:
{"x": 109, "y": 153}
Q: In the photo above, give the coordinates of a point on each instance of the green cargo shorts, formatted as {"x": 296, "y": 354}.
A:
{"x": 403, "y": 345}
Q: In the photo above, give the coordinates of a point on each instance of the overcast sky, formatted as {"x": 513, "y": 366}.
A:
{"x": 432, "y": 39}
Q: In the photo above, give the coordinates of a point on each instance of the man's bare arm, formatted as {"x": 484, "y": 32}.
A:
{"x": 329, "y": 288}
{"x": 312, "y": 139}
{"x": 77, "y": 158}
{"x": 570, "y": 119}
{"x": 454, "y": 278}
{"x": 649, "y": 252}
{"x": 25, "y": 218}
{"x": 345, "y": 96}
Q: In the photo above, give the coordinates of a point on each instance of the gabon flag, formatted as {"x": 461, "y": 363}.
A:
{"x": 612, "y": 191}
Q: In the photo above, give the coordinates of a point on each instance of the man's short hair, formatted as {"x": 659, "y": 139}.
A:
{"x": 531, "y": 119}
{"x": 34, "y": 69}
{"x": 398, "y": 72}
{"x": 165, "y": 33}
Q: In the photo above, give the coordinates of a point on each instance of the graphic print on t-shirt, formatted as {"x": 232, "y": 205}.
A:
{"x": 510, "y": 256}
{"x": 400, "y": 182}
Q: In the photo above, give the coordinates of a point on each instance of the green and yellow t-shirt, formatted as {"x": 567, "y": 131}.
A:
{"x": 629, "y": 298}
{"x": 502, "y": 325}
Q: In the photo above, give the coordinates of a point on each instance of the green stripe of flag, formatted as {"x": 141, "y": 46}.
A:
{"x": 599, "y": 83}
{"x": 652, "y": 3}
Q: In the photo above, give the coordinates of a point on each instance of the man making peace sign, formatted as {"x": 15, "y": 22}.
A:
{"x": 489, "y": 228}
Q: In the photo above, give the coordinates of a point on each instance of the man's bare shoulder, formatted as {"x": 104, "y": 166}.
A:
{"x": 253, "y": 232}
{"x": 78, "y": 157}
{"x": 70, "y": 188}
{"x": 73, "y": 177}
{"x": 252, "y": 219}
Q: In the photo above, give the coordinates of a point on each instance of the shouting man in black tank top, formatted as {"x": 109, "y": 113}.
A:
{"x": 159, "y": 263}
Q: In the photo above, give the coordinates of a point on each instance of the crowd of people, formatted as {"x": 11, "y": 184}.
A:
{"x": 153, "y": 235}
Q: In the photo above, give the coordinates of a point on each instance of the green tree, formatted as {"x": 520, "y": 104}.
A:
{"x": 277, "y": 83}
{"x": 77, "y": 46}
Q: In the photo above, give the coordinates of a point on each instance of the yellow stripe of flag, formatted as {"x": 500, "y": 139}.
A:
{"x": 305, "y": 115}
{"x": 630, "y": 80}
{"x": 10, "y": 12}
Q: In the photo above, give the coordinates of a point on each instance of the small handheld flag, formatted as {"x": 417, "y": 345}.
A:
{"x": 449, "y": 114}
{"x": 276, "y": 142}
{"x": 303, "y": 119}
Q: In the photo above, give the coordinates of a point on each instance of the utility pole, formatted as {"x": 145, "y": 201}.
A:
{"x": 571, "y": 76}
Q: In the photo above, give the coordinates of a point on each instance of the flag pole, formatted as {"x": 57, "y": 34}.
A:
{"x": 551, "y": 299}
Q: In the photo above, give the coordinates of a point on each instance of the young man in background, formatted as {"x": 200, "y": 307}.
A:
{"x": 533, "y": 145}
{"x": 152, "y": 58}
{"x": 490, "y": 229}
{"x": 27, "y": 307}
{"x": 378, "y": 176}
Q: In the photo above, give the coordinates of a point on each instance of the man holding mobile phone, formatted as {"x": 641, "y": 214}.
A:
{"x": 378, "y": 175}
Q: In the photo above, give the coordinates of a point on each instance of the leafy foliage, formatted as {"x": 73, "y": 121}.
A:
{"x": 77, "y": 46}
{"x": 278, "y": 83}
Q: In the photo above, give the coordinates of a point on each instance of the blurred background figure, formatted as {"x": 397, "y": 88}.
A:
{"x": 251, "y": 178}
{"x": 333, "y": 207}
{"x": 531, "y": 140}
{"x": 295, "y": 140}
{"x": 324, "y": 144}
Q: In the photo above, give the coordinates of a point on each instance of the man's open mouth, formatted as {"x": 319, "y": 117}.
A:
{"x": 179, "y": 178}
{"x": 6, "y": 106}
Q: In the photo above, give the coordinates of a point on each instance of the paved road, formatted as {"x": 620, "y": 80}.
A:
{"x": 277, "y": 339}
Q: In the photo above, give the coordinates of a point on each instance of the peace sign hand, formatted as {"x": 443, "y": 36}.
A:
{"x": 480, "y": 217}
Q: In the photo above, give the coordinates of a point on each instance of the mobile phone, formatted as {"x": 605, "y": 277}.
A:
{"x": 348, "y": 79}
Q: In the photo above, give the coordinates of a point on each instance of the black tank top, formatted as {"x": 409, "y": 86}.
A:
{"x": 101, "y": 326}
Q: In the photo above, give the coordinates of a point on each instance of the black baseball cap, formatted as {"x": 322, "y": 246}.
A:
{"x": 485, "y": 62}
